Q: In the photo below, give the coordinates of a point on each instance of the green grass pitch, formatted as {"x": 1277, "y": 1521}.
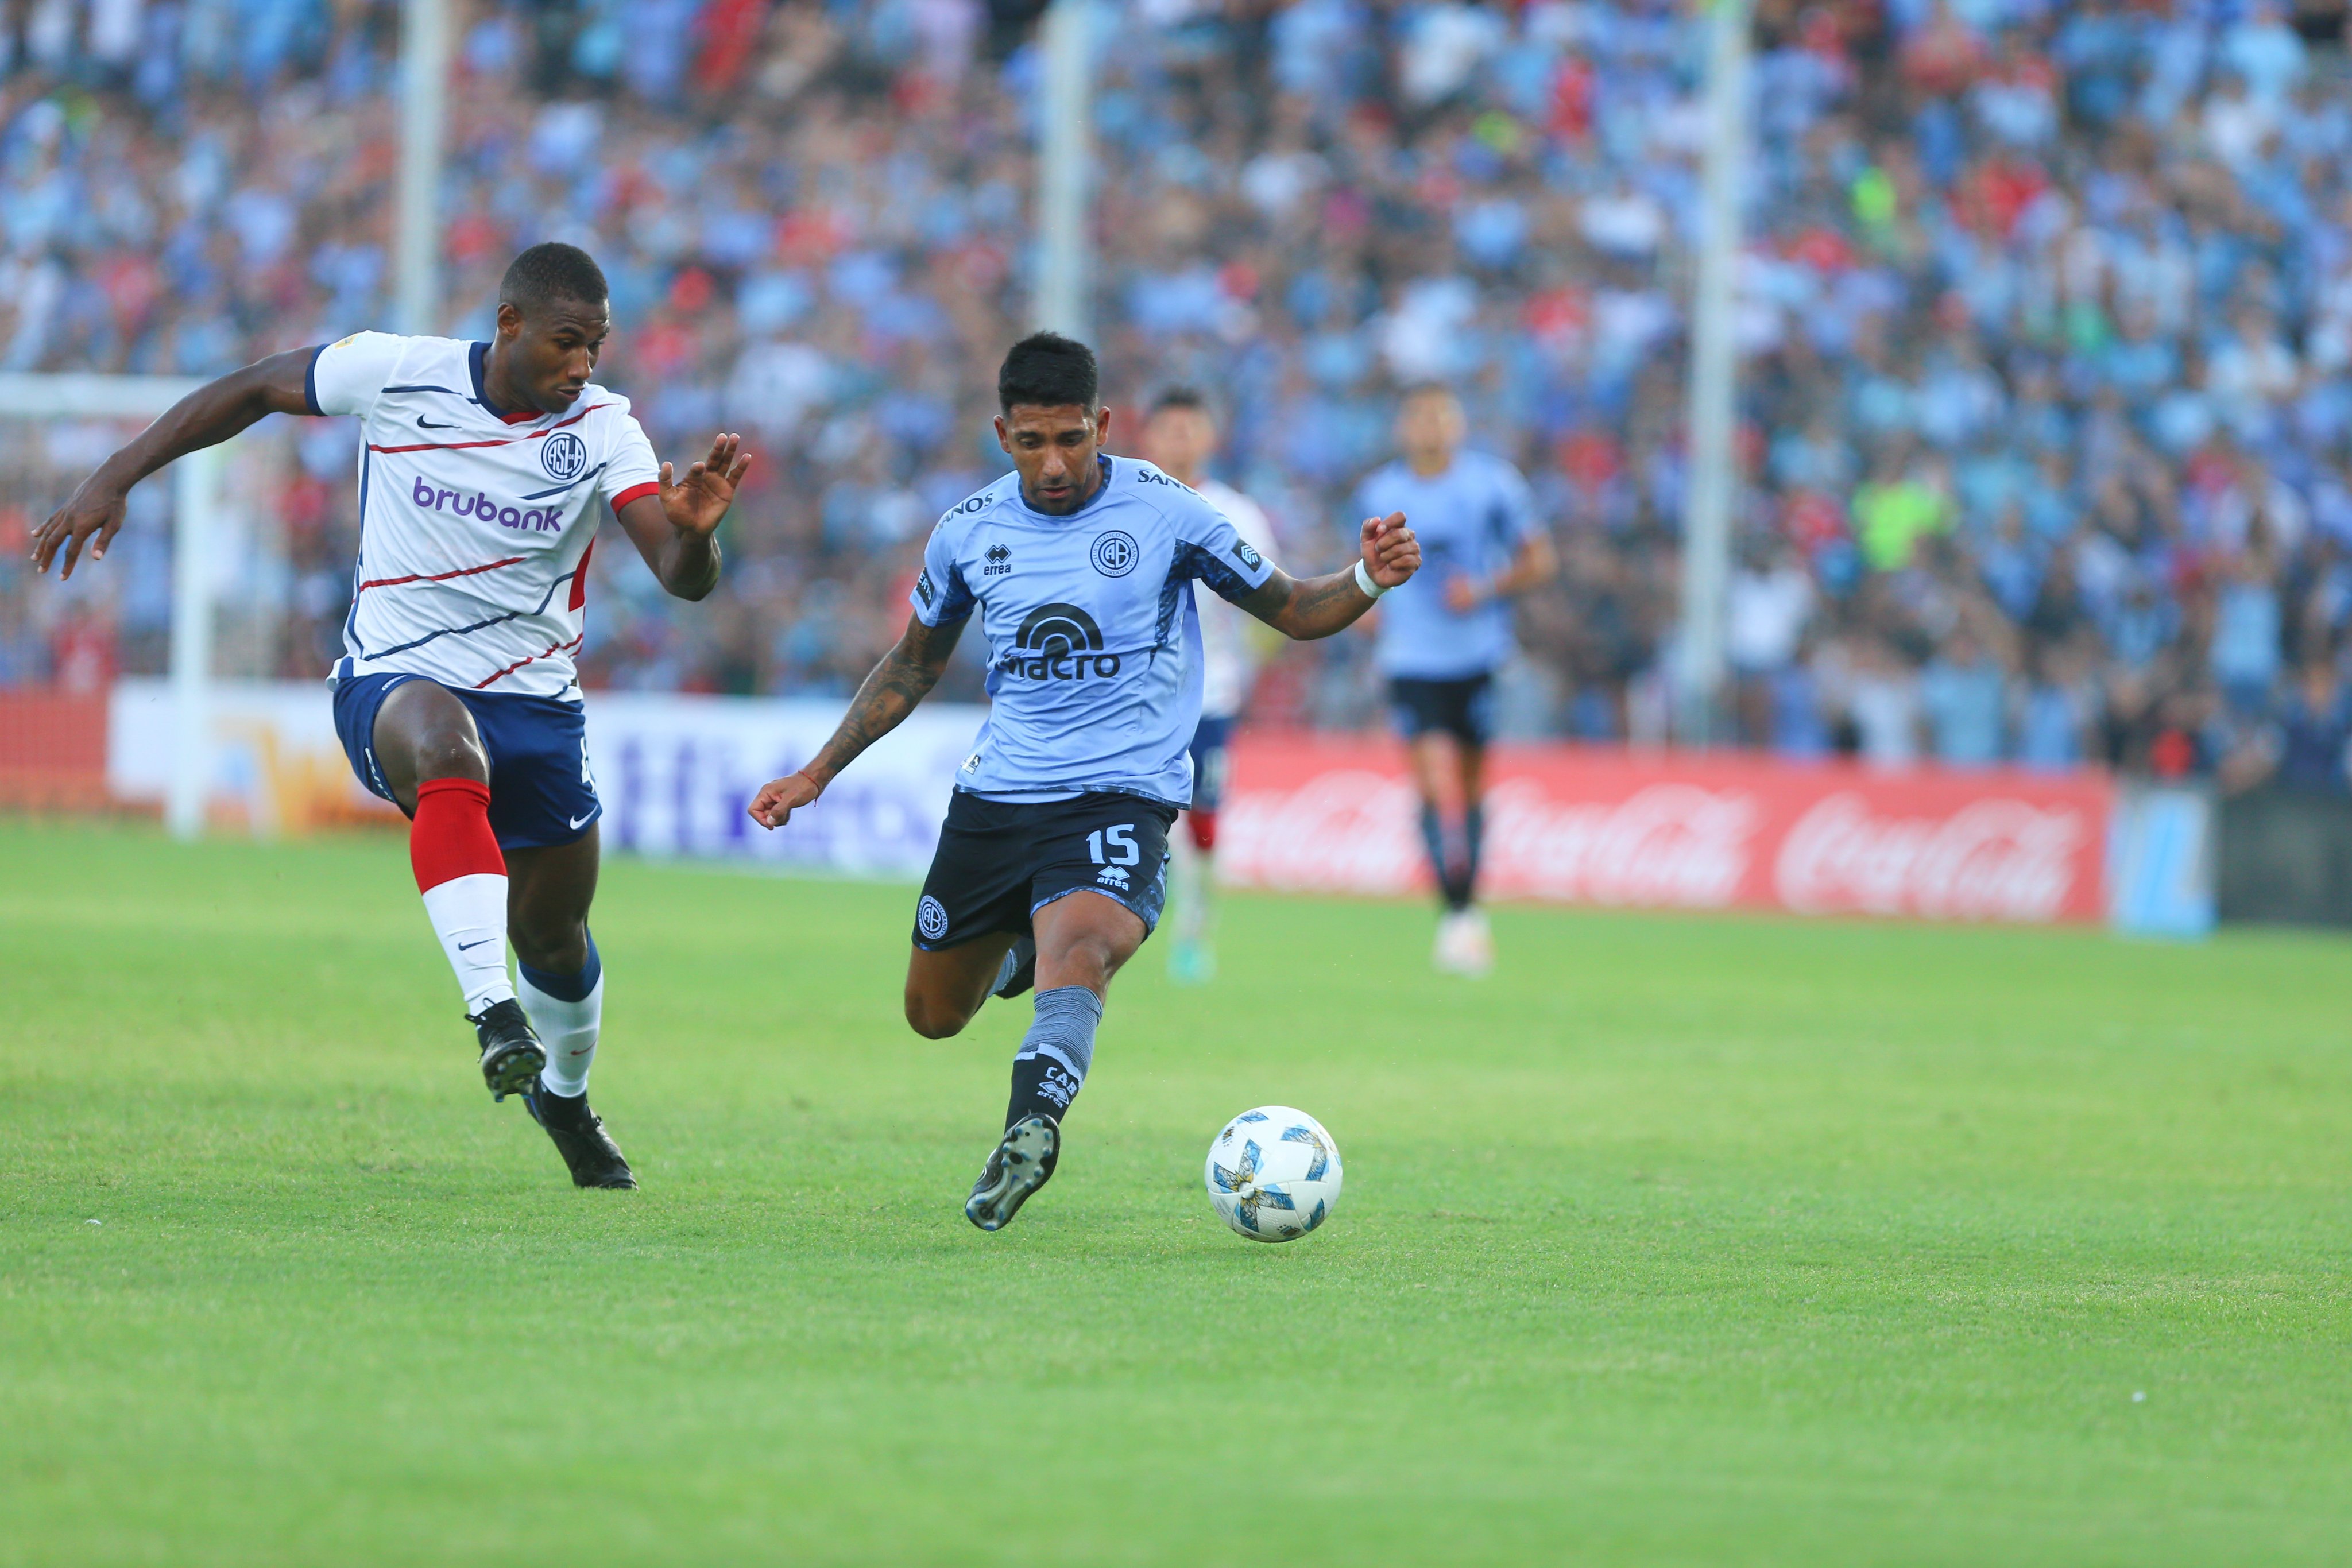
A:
{"x": 1705, "y": 1241}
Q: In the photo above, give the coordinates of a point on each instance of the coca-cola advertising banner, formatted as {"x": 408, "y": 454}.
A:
{"x": 1723, "y": 831}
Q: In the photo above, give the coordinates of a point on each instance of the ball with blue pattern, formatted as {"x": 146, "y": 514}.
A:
{"x": 1273, "y": 1174}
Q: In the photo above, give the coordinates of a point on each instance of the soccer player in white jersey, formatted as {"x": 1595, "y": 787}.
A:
{"x": 484, "y": 472}
{"x": 1180, "y": 437}
{"x": 1051, "y": 865}
{"x": 1441, "y": 640}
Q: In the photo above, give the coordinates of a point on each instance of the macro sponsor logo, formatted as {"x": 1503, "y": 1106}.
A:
{"x": 1059, "y": 643}
{"x": 540, "y": 519}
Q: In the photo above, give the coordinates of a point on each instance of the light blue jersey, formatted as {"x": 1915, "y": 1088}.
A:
{"x": 1093, "y": 647}
{"x": 1471, "y": 520}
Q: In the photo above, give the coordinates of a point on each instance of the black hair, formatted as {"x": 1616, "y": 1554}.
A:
{"x": 552, "y": 271}
{"x": 1178, "y": 397}
{"x": 1422, "y": 389}
{"x": 1045, "y": 369}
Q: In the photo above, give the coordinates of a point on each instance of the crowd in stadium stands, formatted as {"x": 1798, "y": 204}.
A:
{"x": 2047, "y": 310}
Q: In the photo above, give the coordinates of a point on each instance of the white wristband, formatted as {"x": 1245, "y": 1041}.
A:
{"x": 1364, "y": 580}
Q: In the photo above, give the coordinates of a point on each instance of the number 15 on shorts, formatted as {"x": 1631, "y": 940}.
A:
{"x": 1120, "y": 840}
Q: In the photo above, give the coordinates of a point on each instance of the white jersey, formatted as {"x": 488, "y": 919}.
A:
{"x": 1227, "y": 662}
{"x": 475, "y": 525}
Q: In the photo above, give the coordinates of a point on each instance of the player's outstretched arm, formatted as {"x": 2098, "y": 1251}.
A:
{"x": 1533, "y": 564}
{"x": 1319, "y": 606}
{"x": 206, "y": 417}
{"x": 906, "y": 675}
{"x": 677, "y": 530}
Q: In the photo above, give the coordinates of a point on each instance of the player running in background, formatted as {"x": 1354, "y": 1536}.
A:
{"x": 483, "y": 473}
{"x": 1052, "y": 863}
{"x": 1445, "y": 635}
{"x": 1180, "y": 437}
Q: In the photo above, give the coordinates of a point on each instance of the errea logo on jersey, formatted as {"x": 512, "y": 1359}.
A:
{"x": 543, "y": 519}
{"x": 1059, "y": 643}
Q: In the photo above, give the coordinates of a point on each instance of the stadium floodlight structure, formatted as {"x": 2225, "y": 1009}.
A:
{"x": 1712, "y": 491}
{"x": 416, "y": 226}
{"x": 195, "y": 498}
{"x": 1065, "y": 270}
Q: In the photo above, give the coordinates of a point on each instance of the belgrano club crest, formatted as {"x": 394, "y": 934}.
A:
{"x": 1116, "y": 553}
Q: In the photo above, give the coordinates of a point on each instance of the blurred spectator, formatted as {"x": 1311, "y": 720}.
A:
{"x": 1963, "y": 692}
{"x": 2315, "y": 733}
{"x": 1767, "y": 604}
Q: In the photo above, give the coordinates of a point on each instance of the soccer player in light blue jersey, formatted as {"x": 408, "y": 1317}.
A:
{"x": 1052, "y": 864}
{"x": 1443, "y": 635}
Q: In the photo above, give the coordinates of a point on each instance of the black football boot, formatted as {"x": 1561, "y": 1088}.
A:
{"x": 1022, "y": 1162}
{"x": 1020, "y": 968}
{"x": 511, "y": 1054}
{"x": 579, "y": 1135}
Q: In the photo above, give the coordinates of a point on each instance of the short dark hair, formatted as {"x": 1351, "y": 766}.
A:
{"x": 1178, "y": 397}
{"x": 1427, "y": 388}
{"x": 552, "y": 271}
{"x": 1045, "y": 369}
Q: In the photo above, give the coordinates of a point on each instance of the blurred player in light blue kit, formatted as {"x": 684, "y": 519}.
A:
{"x": 1180, "y": 435}
{"x": 1443, "y": 635}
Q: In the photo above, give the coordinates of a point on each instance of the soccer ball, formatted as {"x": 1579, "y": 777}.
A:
{"x": 1273, "y": 1174}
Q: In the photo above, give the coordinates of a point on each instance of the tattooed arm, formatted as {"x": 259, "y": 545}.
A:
{"x": 1321, "y": 605}
{"x": 906, "y": 675}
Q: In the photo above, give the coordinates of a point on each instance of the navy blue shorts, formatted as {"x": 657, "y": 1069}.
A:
{"x": 1210, "y": 762}
{"x": 1463, "y": 708}
{"x": 1001, "y": 861}
{"x": 542, "y": 793}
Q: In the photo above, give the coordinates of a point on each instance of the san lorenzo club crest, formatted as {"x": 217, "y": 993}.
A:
{"x": 563, "y": 454}
{"x": 1116, "y": 553}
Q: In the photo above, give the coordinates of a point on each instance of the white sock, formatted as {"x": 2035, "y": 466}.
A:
{"x": 469, "y": 916}
{"x": 568, "y": 1030}
{"x": 1196, "y": 909}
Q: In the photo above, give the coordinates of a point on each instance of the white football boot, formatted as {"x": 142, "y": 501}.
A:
{"x": 1464, "y": 945}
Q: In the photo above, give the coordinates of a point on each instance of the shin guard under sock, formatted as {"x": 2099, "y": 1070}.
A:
{"x": 567, "y": 1011}
{"x": 463, "y": 878}
{"x": 1055, "y": 1054}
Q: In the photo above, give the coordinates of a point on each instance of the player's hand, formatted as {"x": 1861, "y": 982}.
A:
{"x": 93, "y": 509}
{"x": 778, "y": 798}
{"x": 1464, "y": 593}
{"x": 1390, "y": 552}
{"x": 698, "y": 502}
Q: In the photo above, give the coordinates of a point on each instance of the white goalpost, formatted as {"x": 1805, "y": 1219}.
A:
{"x": 195, "y": 499}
